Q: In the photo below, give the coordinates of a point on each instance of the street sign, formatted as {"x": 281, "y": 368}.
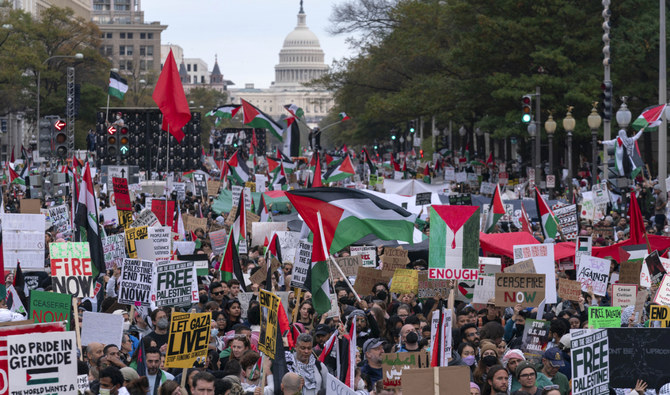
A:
{"x": 551, "y": 181}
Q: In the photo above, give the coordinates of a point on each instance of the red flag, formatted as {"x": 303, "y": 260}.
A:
{"x": 12, "y": 158}
{"x": 637, "y": 231}
{"x": 489, "y": 161}
{"x": 254, "y": 142}
{"x": 525, "y": 222}
{"x": 317, "y": 173}
{"x": 170, "y": 98}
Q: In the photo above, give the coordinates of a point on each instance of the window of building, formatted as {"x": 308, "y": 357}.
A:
{"x": 143, "y": 50}
{"x": 202, "y": 79}
{"x": 150, "y": 64}
{"x": 150, "y": 36}
{"x": 150, "y": 50}
{"x": 195, "y": 67}
{"x": 130, "y": 36}
{"x": 188, "y": 67}
{"x": 3, "y": 125}
{"x": 122, "y": 35}
{"x": 109, "y": 36}
{"x": 129, "y": 49}
{"x": 122, "y": 49}
{"x": 143, "y": 36}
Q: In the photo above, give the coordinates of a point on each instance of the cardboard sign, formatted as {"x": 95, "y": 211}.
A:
{"x": 535, "y": 340}
{"x": 146, "y": 218}
{"x": 519, "y": 288}
{"x": 135, "y": 282}
{"x": 60, "y": 218}
{"x": 569, "y": 290}
{"x": 594, "y": 273}
{"x": 591, "y": 362}
{"x": 526, "y": 266}
{"x": 604, "y": 317}
{"x": 454, "y": 241}
{"x": 405, "y": 281}
{"x": 44, "y": 364}
{"x": 629, "y": 273}
{"x": 114, "y": 250}
{"x": 393, "y": 365}
{"x": 161, "y": 237}
{"x": 191, "y": 223}
{"x": 261, "y": 275}
{"x": 267, "y": 340}
{"x": 543, "y": 258}
{"x": 301, "y": 264}
{"x": 367, "y": 277}
{"x": 121, "y": 194}
{"x": 453, "y": 380}
{"x": 175, "y": 284}
{"x": 23, "y": 241}
{"x": 30, "y": 206}
{"x": 71, "y": 269}
{"x": 659, "y": 316}
{"x": 394, "y": 258}
{"x": 188, "y": 340}
{"x": 368, "y": 254}
{"x": 49, "y": 306}
{"x": 623, "y": 294}
{"x": 101, "y": 328}
{"x": 348, "y": 264}
{"x": 133, "y": 234}
{"x": 158, "y": 208}
{"x": 423, "y": 198}
{"x": 218, "y": 240}
{"x": 432, "y": 288}
{"x": 213, "y": 187}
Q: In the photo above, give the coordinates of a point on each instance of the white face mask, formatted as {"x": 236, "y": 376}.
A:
{"x": 104, "y": 391}
{"x": 360, "y": 385}
{"x": 126, "y": 325}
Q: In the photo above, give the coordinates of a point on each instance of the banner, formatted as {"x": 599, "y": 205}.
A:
{"x": 594, "y": 273}
{"x": 393, "y": 365}
{"x": 367, "y": 253}
{"x": 133, "y": 234}
{"x": 454, "y": 241}
{"x": 535, "y": 340}
{"x": 623, "y": 294}
{"x": 405, "y": 281}
{"x": 121, "y": 194}
{"x": 49, "y": 306}
{"x": 188, "y": 340}
{"x": 23, "y": 241}
{"x": 135, "y": 282}
{"x": 114, "y": 250}
{"x": 44, "y": 364}
{"x": 525, "y": 289}
{"x": 269, "y": 323}
{"x": 301, "y": 263}
{"x": 604, "y": 317}
{"x": 591, "y": 364}
{"x": 71, "y": 270}
{"x": 543, "y": 258}
{"x": 175, "y": 284}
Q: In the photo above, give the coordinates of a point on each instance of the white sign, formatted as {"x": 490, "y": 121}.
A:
{"x": 175, "y": 284}
{"x": 663, "y": 294}
{"x": 237, "y": 189}
{"x": 184, "y": 247}
{"x": 449, "y": 174}
{"x": 101, "y": 328}
{"x": 593, "y": 273}
{"x": 336, "y": 387}
{"x": 180, "y": 189}
{"x": 368, "y": 254}
{"x": 23, "y": 240}
{"x": 485, "y": 288}
{"x": 590, "y": 361}
{"x": 445, "y": 352}
{"x": 487, "y": 188}
{"x": 60, "y": 218}
{"x": 551, "y": 181}
{"x": 582, "y": 247}
{"x": 146, "y": 218}
{"x": 114, "y": 250}
{"x": 261, "y": 230}
{"x": 135, "y": 282}
{"x": 42, "y": 364}
{"x": 118, "y": 172}
{"x": 303, "y": 258}
{"x": 289, "y": 244}
{"x": 161, "y": 237}
{"x": 543, "y": 258}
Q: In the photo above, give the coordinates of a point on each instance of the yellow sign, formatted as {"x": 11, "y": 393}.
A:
{"x": 405, "y": 281}
{"x": 133, "y": 234}
{"x": 659, "y": 316}
{"x": 267, "y": 341}
{"x": 188, "y": 340}
{"x": 125, "y": 218}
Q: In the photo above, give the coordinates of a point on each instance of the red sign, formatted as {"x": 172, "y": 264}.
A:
{"x": 59, "y": 125}
{"x": 121, "y": 195}
{"x": 158, "y": 208}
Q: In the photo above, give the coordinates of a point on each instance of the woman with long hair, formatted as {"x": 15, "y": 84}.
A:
{"x": 306, "y": 314}
{"x": 239, "y": 344}
{"x": 219, "y": 330}
{"x": 233, "y": 312}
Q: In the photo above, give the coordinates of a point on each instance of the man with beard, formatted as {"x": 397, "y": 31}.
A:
{"x": 161, "y": 324}
{"x": 470, "y": 334}
{"x": 497, "y": 380}
{"x": 155, "y": 375}
{"x": 373, "y": 350}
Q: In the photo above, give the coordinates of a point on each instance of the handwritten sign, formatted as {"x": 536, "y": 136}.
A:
{"x": 394, "y": 258}
{"x": 71, "y": 270}
{"x": 604, "y": 317}
{"x": 393, "y": 365}
{"x": 526, "y": 266}
{"x": 368, "y": 254}
{"x": 121, "y": 194}
{"x": 525, "y": 289}
{"x": 623, "y": 294}
{"x": 594, "y": 273}
{"x": 663, "y": 294}
{"x": 114, "y": 250}
{"x": 267, "y": 341}
{"x": 569, "y": 290}
{"x": 629, "y": 272}
{"x": 135, "y": 282}
{"x": 349, "y": 265}
{"x": 405, "y": 281}
{"x": 429, "y": 288}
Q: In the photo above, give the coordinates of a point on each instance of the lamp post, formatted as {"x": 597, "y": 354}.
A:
{"x": 479, "y": 133}
{"x": 569, "y": 126}
{"x": 77, "y": 56}
{"x": 531, "y": 132}
{"x": 462, "y": 132}
{"x": 594, "y": 122}
{"x": 550, "y": 128}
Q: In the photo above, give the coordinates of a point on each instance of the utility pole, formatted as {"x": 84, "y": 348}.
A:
{"x": 538, "y": 137}
{"x": 607, "y": 122}
{"x": 662, "y": 98}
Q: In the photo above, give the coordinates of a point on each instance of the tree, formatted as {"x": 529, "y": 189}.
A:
{"x": 204, "y": 100}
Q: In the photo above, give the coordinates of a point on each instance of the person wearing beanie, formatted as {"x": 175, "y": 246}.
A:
{"x": 488, "y": 357}
{"x": 526, "y": 374}
{"x": 474, "y": 389}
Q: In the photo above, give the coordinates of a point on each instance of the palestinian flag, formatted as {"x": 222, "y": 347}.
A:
{"x": 239, "y": 230}
{"x": 329, "y": 159}
{"x": 225, "y": 111}
{"x": 230, "y": 263}
{"x": 40, "y": 376}
{"x": 650, "y": 118}
{"x": 344, "y": 117}
{"x": 280, "y": 178}
{"x": 489, "y": 161}
{"x": 238, "y": 169}
{"x": 86, "y": 219}
{"x": 317, "y": 183}
{"x": 496, "y": 211}
{"x": 254, "y": 145}
{"x": 295, "y": 110}
{"x": 426, "y": 174}
{"x": 547, "y": 217}
{"x": 14, "y": 177}
{"x": 258, "y": 119}
{"x": 349, "y": 215}
{"x": 340, "y": 172}
{"x": 373, "y": 168}
{"x": 454, "y": 239}
{"x": 118, "y": 86}
{"x": 525, "y": 221}
{"x": 263, "y": 211}
{"x": 328, "y": 346}
{"x": 289, "y": 164}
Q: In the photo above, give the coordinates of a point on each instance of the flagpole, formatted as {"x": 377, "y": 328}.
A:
{"x": 107, "y": 113}
{"x": 167, "y": 166}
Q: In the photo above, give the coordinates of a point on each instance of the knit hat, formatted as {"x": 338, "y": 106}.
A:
{"x": 485, "y": 346}
{"x": 473, "y": 385}
{"x": 512, "y": 354}
{"x": 523, "y": 365}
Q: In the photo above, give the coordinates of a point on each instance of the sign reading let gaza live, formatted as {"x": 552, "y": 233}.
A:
{"x": 454, "y": 242}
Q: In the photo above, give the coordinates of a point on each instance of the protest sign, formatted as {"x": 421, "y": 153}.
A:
{"x": 449, "y": 174}
{"x": 566, "y": 215}
{"x": 422, "y": 198}
{"x": 485, "y": 288}
{"x": 146, "y": 218}
{"x": 629, "y": 272}
{"x": 158, "y": 208}
{"x": 213, "y": 187}
{"x": 44, "y": 364}
{"x": 663, "y": 294}
{"x": 289, "y": 244}
{"x": 236, "y": 191}
{"x": 133, "y": 234}
{"x": 525, "y": 289}
{"x": 452, "y": 380}
{"x": 267, "y": 340}
{"x": 623, "y": 294}
{"x": 405, "y": 281}
{"x": 218, "y": 240}
{"x": 432, "y": 288}
{"x": 604, "y": 317}
{"x": 245, "y": 298}
{"x": 180, "y": 189}
{"x": 200, "y": 262}
{"x": 145, "y": 249}
{"x": 23, "y": 241}
{"x": 161, "y": 237}
{"x": 30, "y": 206}
{"x": 454, "y": 242}
{"x": 188, "y": 339}
{"x": 184, "y": 247}
{"x": 659, "y": 316}
{"x": 393, "y": 365}
{"x": 526, "y": 266}
{"x": 49, "y": 306}
{"x": 394, "y": 258}
{"x": 535, "y": 340}
{"x": 569, "y": 290}
{"x": 191, "y": 223}
{"x": 335, "y": 386}
{"x": 489, "y": 265}
{"x": 135, "y": 282}
{"x": 261, "y": 274}
{"x": 114, "y": 250}
{"x": 348, "y": 264}
{"x": 301, "y": 264}
{"x": 543, "y": 259}
{"x": 655, "y": 268}
{"x": 200, "y": 183}
{"x": 82, "y": 383}
{"x": 583, "y": 246}
{"x": 594, "y": 273}
{"x": 101, "y": 328}
{"x": 444, "y": 353}
{"x": 175, "y": 284}
{"x": 368, "y": 254}
{"x": 262, "y": 230}
{"x": 367, "y": 277}
{"x": 125, "y": 218}
{"x": 121, "y": 194}
{"x": 60, "y": 218}
{"x": 487, "y": 188}
{"x": 590, "y": 361}
{"x": 71, "y": 270}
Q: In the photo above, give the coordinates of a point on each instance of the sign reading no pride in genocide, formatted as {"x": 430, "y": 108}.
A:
{"x": 71, "y": 270}
{"x": 188, "y": 340}
{"x": 175, "y": 284}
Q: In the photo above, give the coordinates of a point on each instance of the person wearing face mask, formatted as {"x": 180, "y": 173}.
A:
{"x": 488, "y": 358}
{"x": 467, "y": 353}
{"x": 409, "y": 339}
{"x": 161, "y": 325}
{"x": 514, "y": 328}
{"x": 111, "y": 382}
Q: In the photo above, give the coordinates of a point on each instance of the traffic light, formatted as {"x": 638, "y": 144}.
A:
{"x": 60, "y": 139}
{"x": 124, "y": 141}
{"x": 411, "y": 127}
{"x": 421, "y": 153}
{"x": 112, "y": 144}
{"x": 526, "y": 102}
{"x": 46, "y": 136}
{"x": 607, "y": 100}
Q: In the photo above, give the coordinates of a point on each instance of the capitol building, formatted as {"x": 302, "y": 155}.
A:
{"x": 301, "y": 60}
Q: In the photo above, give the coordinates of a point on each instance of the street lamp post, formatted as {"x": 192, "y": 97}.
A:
{"x": 594, "y": 122}
{"x": 550, "y": 128}
{"x": 569, "y": 126}
{"x": 531, "y": 132}
{"x": 77, "y": 56}
{"x": 462, "y": 132}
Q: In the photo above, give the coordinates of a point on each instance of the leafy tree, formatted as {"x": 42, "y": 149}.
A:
{"x": 204, "y": 100}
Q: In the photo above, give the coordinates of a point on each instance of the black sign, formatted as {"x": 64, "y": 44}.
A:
{"x": 423, "y": 198}
{"x": 638, "y": 354}
{"x": 460, "y": 200}
{"x": 200, "y": 184}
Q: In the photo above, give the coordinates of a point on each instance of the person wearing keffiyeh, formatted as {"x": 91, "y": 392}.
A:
{"x": 303, "y": 363}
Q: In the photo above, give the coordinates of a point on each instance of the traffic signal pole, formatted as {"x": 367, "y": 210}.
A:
{"x": 538, "y": 134}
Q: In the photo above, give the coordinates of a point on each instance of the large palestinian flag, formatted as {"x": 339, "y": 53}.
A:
{"x": 454, "y": 240}
{"x": 238, "y": 168}
{"x": 340, "y": 172}
{"x": 258, "y": 119}
{"x": 547, "y": 217}
{"x": 496, "y": 211}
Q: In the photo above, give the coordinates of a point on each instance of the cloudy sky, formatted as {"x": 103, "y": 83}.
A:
{"x": 246, "y": 35}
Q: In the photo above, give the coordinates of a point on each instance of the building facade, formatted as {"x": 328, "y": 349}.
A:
{"x": 194, "y": 72}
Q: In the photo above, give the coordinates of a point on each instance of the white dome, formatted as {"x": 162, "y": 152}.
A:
{"x": 301, "y": 37}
